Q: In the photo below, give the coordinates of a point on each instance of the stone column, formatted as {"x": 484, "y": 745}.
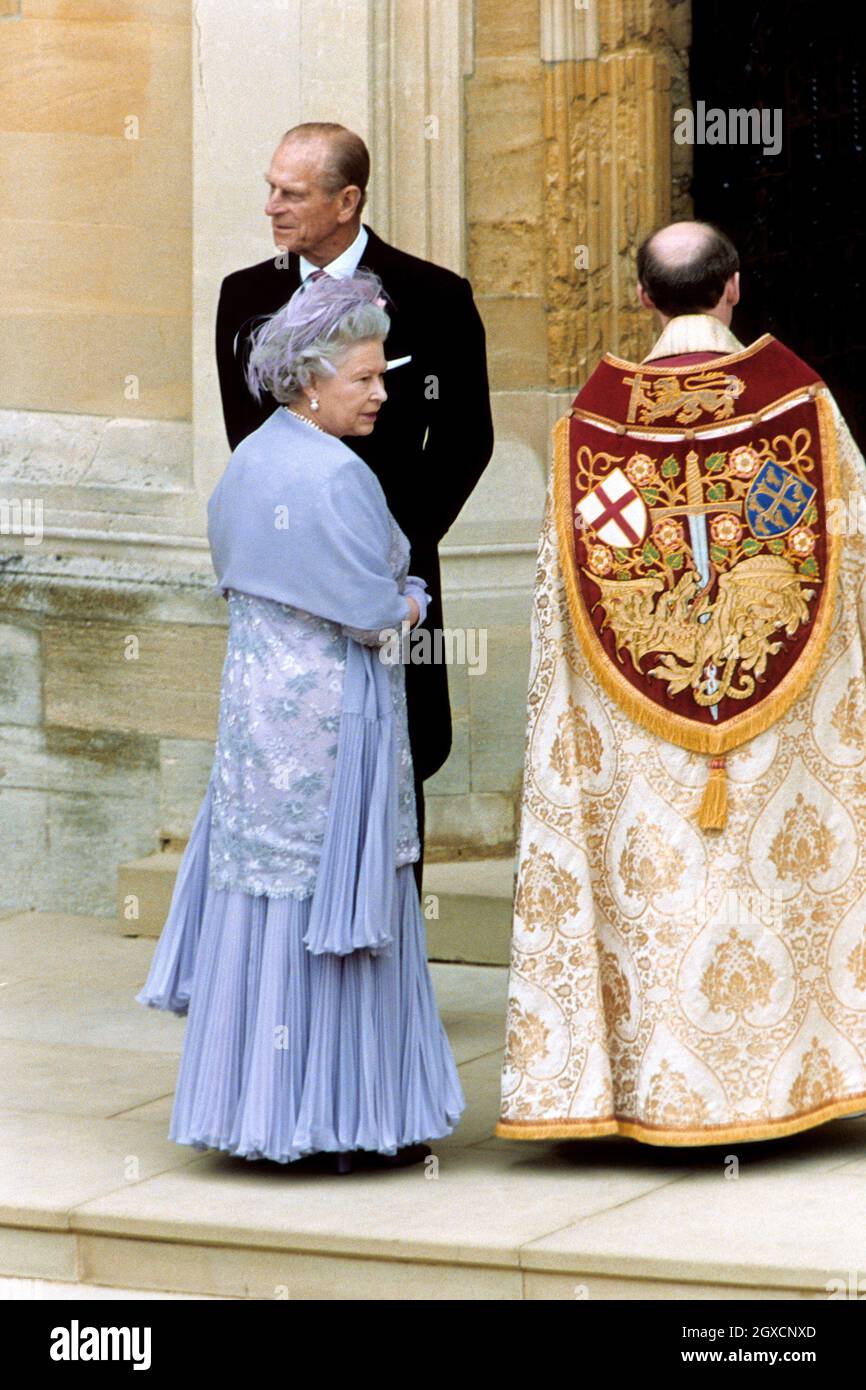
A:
{"x": 390, "y": 69}
{"x": 608, "y": 76}
{"x": 569, "y": 164}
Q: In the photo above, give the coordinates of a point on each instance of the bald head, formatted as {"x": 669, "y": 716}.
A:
{"x": 681, "y": 243}
{"x": 688, "y": 268}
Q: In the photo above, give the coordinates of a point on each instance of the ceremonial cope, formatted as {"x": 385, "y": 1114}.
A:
{"x": 691, "y": 511}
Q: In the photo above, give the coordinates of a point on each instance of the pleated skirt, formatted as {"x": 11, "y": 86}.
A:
{"x": 287, "y": 1053}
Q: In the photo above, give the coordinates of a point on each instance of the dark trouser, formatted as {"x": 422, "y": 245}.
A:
{"x": 418, "y": 866}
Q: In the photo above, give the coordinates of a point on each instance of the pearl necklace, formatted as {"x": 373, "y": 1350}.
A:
{"x": 298, "y": 416}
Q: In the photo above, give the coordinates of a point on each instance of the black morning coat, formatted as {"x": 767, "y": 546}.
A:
{"x": 441, "y": 394}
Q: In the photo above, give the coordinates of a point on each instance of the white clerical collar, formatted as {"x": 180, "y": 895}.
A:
{"x": 344, "y": 264}
{"x": 694, "y": 333}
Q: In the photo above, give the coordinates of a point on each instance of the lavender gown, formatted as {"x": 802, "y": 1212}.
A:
{"x": 290, "y": 1047}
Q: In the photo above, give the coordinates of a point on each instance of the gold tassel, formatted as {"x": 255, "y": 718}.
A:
{"x": 713, "y": 810}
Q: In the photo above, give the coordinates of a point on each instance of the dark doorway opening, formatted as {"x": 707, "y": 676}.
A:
{"x": 798, "y": 218}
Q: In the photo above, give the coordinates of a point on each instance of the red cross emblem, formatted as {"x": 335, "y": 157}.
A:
{"x": 615, "y": 511}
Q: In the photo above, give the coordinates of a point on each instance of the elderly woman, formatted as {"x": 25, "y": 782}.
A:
{"x": 295, "y": 939}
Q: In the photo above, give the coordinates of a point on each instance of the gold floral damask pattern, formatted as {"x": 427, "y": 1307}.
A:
{"x": 849, "y": 713}
{"x": 546, "y": 893}
{"x": 818, "y": 1079}
{"x": 670, "y": 1099}
{"x": 615, "y": 990}
{"x": 857, "y": 963}
{"x": 648, "y": 862}
{"x": 804, "y": 843}
{"x": 526, "y": 1035}
{"x": 736, "y": 978}
{"x": 670, "y": 984}
{"x": 576, "y": 745}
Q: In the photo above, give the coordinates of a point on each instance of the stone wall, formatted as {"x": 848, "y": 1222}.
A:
{"x": 95, "y": 440}
{"x": 95, "y": 136}
{"x": 95, "y": 280}
{"x": 108, "y": 710}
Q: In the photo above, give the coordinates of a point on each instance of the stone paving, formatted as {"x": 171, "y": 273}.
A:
{"x": 93, "y": 1194}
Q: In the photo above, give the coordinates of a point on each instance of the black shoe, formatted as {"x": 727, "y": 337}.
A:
{"x": 403, "y": 1158}
{"x": 325, "y": 1161}
{"x": 355, "y": 1160}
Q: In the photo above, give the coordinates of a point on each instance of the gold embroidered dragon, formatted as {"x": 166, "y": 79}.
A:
{"x": 707, "y": 644}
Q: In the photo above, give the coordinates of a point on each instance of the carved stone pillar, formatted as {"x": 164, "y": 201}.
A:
{"x": 423, "y": 49}
{"x": 609, "y": 70}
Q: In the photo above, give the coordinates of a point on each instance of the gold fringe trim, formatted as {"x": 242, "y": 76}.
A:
{"x": 713, "y": 810}
{"x": 651, "y": 1134}
{"x": 712, "y": 365}
{"x": 675, "y": 728}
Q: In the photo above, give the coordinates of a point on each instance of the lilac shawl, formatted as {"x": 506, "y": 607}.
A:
{"x": 299, "y": 518}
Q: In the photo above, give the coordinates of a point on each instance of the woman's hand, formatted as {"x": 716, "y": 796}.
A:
{"x": 372, "y": 637}
{"x": 415, "y": 590}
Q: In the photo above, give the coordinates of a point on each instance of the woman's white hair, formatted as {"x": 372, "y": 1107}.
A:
{"x": 308, "y": 335}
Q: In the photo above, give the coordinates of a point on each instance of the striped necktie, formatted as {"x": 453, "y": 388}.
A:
{"x": 315, "y": 275}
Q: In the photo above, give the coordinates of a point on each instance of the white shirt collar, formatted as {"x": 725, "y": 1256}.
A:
{"x": 693, "y": 333}
{"x": 344, "y": 264}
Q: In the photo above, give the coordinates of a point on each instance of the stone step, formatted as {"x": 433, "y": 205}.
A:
{"x": 55, "y": 1289}
{"x": 467, "y": 910}
{"x": 466, "y": 904}
{"x": 144, "y": 889}
{"x": 488, "y": 1220}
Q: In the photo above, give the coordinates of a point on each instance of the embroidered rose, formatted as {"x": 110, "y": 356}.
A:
{"x": 641, "y": 470}
{"x": 600, "y": 559}
{"x": 744, "y": 461}
{"x": 801, "y": 541}
{"x": 726, "y": 528}
{"x": 668, "y": 533}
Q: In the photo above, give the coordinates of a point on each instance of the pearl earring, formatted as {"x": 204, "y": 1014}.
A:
{"x": 314, "y": 402}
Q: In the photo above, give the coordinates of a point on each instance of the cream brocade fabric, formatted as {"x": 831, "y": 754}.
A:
{"x": 694, "y": 333}
{"x": 673, "y": 984}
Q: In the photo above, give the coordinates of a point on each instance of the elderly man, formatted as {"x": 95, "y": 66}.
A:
{"x": 689, "y": 938}
{"x": 435, "y": 434}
